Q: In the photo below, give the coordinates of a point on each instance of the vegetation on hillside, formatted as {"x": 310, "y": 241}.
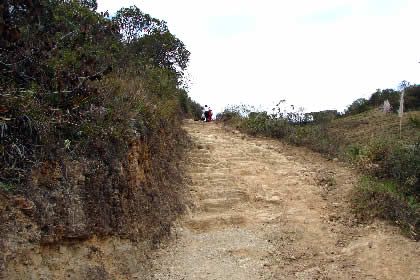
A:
{"x": 76, "y": 80}
{"x": 363, "y": 135}
{"x": 90, "y": 121}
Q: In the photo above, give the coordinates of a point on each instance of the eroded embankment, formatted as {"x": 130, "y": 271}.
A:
{"x": 92, "y": 218}
{"x": 265, "y": 210}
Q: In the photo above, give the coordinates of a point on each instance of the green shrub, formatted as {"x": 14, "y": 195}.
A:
{"x": 367, "y": 157}
{"x": 319, "y": 138}
{"x": 257, "y": 123}
{"x": 402, "y": 163}
{"x": 382, "y": 199}
{"x": 396, "y": 161}
{"x": 260, "y": 123}
{"x": 414, "y": 121}
{"x": 279, "y": 128}
{"x": 228, "y": 116}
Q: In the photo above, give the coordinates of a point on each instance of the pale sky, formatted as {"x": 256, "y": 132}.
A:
{"x": 318, "y": 55}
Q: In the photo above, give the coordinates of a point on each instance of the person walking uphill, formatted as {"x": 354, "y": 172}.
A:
{"x": 206, "y": 113}
{"x": 210, "y": 114}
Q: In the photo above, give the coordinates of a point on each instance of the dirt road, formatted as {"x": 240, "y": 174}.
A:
{"x": 264, "y": 210}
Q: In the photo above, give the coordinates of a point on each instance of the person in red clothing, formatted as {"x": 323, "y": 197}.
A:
{"x": 210, "y": 113}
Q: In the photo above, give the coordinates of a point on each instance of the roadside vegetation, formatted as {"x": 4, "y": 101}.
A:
{"x": 78, "y": 82}
{"x": 79, "y": 87}
{"x": 367, "y": 137}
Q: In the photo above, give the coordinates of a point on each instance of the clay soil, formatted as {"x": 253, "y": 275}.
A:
{"x": 266, "y": 210}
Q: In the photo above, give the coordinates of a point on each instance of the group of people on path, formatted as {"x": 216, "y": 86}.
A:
{"x": 207, "y": 113}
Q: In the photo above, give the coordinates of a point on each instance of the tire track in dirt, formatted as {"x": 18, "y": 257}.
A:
{"x": 261, "y": 213}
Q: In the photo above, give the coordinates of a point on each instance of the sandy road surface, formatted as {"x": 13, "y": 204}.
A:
{"x": 263, "y": 211}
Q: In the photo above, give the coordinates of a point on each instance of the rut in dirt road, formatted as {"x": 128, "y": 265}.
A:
{"x": 260, "y": 213}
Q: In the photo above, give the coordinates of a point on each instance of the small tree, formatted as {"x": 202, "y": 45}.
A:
{"x": 358, "y": 106}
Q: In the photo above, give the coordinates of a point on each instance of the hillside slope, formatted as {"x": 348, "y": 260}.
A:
{"x": 266, "y": 210}
{"x": 361, "y": 128}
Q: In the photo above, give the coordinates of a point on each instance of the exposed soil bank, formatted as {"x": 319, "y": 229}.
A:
{"x": 91, "y": 219}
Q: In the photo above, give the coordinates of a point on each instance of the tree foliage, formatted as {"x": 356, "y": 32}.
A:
{"x": 57, "y": 58}
{"x": 358, "y": 106}
{"x": 75, "y": 45}
{"x": 148, "y": 42}
{"x": 162, "y": 49}
{"x": 133, "y": 23}
{"x": 69, "y": 50}
{"x": 378, "y": 98}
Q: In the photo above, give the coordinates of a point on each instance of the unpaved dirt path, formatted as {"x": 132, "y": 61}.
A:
{"x": 264, "y": 210}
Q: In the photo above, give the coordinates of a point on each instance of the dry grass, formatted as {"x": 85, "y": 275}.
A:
{"x": 360, "y": 128}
